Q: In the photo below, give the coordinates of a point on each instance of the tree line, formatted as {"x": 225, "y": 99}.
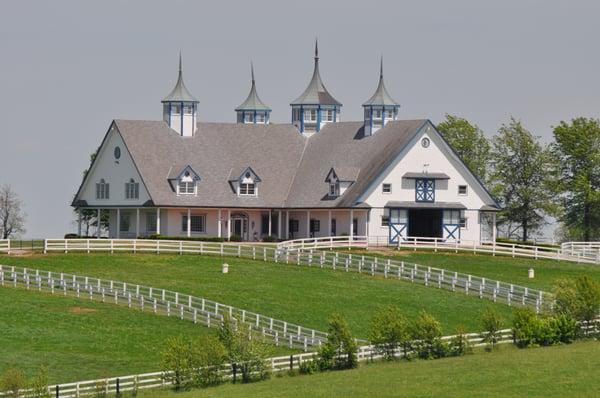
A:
{"x": 533, "y": 180}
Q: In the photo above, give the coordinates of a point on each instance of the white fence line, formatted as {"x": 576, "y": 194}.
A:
{"x": 494, "y": 290}
{"x": 198, "y": 310}
{"x": 5, "y": 246}
{"x": 275, "y": 365}
{"x": 588, "y": 250}
{"x": 456, "y": 245}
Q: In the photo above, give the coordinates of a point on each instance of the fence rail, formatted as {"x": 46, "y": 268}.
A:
{"x": 587, "y": 250}
{"x": 115, "y": 385}
{"x": 5, "y": 246}
{"x": 166, "y": 302}
{"x": 484, "y": 288}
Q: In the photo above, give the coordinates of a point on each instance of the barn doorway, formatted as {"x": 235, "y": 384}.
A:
{"x": 425, "y": 223}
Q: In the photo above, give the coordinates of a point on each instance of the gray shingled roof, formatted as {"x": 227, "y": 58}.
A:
{"x": 316, "y": 93}
{"x": 433, "y": 176}
{"x": 381, "y": 95}
{"x": 253, "y": 102}
{"x": 292, "y": 167}
{"x": 180, "y": 93}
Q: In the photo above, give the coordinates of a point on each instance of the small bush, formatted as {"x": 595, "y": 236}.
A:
{"x": 492, "y": 324}
{"x": 459, "y": 345}
{"x": 39, "y": 384}
{"x": 270, "y": 238}
{"x": 208, "y": 357}
{"x": 178, "y": 363}
{"x": 428, "y": 332}
{"x": 308, "y": 367}
{"x": 13, "y": 381}
{"x": 71, "y": 236}
{"x": 235, "y": 238}
{"x": 340, "y": 349}
{"x": 389, "y": 331}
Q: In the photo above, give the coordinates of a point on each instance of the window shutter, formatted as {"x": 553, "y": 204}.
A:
{"x": 106, "y": 194}
{"x": 137, "y": 190}
{"x": 97, "y": 191}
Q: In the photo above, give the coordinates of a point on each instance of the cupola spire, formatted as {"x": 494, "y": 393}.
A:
{"x": 381, "y": 108}
{"x": 180, "y": 108}
{"x": 315, "y": 106}
{"x": 253, "y": 110}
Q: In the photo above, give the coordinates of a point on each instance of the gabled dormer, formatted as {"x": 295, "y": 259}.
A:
{"x": 339, "y": 179}
{"x": 244, "y": 182}
{"x": 184, "y": 180}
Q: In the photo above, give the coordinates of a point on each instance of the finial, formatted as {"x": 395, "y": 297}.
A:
{"x": 252, "y": 71}
{"x": 316, "y": 48}
{"x": 381, "y": 67}
{"x": 179, "y": 61}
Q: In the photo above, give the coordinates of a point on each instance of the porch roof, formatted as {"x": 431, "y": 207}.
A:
{"x": 426, "y": 205}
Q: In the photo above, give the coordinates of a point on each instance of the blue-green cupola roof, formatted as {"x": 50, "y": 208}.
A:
{"x": 253, "y": 110}
{"x": 180, "y": 108}
{"x": 381, "y": 108}
{"x": 316, "y": 106}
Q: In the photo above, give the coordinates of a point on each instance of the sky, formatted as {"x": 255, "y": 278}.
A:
{"x": 67, "y": 68}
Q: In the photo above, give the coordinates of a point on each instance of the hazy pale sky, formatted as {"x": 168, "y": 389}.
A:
{"x": 67, "y": 68}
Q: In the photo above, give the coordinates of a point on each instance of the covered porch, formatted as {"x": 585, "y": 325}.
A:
{"x": 231, "y": 223}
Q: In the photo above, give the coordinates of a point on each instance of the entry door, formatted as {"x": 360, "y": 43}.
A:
{"x": 398, "y": 221}
{"x": 238, "y": 227}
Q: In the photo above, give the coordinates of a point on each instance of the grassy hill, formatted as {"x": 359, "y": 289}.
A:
{"x": 307, "y": 296}
{"x": 539, "y": 372}
{"x": 78, "y": 339}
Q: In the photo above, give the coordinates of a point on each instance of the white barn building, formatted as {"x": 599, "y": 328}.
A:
{"x": 315, "y": 177}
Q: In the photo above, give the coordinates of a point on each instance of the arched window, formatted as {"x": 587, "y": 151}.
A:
{"x": 102, "y": 190}
{"x": 132, "y": 189}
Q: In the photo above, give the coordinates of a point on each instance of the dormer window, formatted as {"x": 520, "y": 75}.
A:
{"x": 334, "y": 189}
{"x": 247, "y": 189}
{"x": 340, "y": 179}
{"x": 245, "y": 184}
{"x": 184, "y": 180}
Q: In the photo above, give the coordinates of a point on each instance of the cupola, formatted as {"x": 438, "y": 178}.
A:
{"x": 253, "y": 110}
{"x": 180, "y": 108}
{"x": 315, "y": 107}
{"x": 381, "y": 108}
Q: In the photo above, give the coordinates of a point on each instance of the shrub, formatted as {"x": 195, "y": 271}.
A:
{"x": 566, "y": 328}
{"x": 428, "y": 332}
{"x": 178, "y": 363}
{"x": 71, "y": 236}
{"x": 13, "y": 381}
{"x": 208, "y": 358}
{"x": 578, "y": 299}
{"x": 339, "y": 351}
{"x": 492, "y": 324}
{"x": 191, "y": 238}
{"x": 270, "y": 238}
{"x": 246, "y": 353}
{"x": 524, "y": 327}
{"x": 459, "y": 345}
{"x": 389, "y": 330}
{"x": 308, "y": 367}
{"x": 39, "y": 384}
{"x": 235, "y": 238}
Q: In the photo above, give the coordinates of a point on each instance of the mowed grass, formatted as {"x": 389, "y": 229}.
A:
{"x": 560, "y": 371}
{"x": 299, "y": 294}
{"x": 503, "y": 268}
{"x": 79, "y": 339}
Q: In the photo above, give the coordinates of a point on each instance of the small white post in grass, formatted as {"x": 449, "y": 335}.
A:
{"x": 531, "y": 273}
{"x": 225, "y": 269}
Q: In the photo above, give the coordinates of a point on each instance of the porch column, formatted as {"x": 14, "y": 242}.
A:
{"x": 351, "y": 224}
{"x": 118, "y": 223}
{"x": 329, "y": 223}
{"x": 219, "y": 221}
{"x": 270, "y": 226}
{"x": 308, "y": 223}
{"x": 158, "y": 220}
{"x": 189, "y": 222}
{"x": 279, "y": 224}
{"x": 287, "y": 225}
{"x": 98, "y": 224}
{"x": 228, "y": 224}
{"x": 79, "y": 222}
{"x": 137, "y": 223}
{"x": 367, "y": 223}
{"x": 494, "y": 231}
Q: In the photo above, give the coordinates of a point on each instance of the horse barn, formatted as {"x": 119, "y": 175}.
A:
{"x": 380, "y": 177}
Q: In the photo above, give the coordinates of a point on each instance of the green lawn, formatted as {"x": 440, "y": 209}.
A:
{"x": 79, "y": 339}
{"x": 539, "y": 372}
{"x": 307, "y": 296}
{"x": 506, "y": 269}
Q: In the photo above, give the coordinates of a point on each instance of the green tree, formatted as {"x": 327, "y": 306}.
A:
{"x": 209, "y": 356}
{"x": 178, "y": 363}
{"x": 246, "y": 352}
{"x": 427, "y": 332}
{"x": 522, "y": 176}
{"x": 577, "y": 148}
{"x": 492, "y": 324}
{"x": 39, "y": 384}
{"x": 469, "y": 142}
{"x": 340, "y": 349}
{"x": 389, "y": 330}
{"x": 13, "y": 381}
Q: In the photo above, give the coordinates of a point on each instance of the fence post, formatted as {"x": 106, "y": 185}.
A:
{"x": 57, "y": 391}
